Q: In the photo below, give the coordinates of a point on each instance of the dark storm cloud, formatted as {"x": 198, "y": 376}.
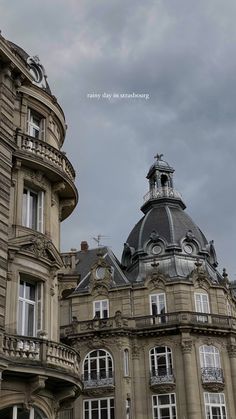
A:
{"x": 182, "y": 53}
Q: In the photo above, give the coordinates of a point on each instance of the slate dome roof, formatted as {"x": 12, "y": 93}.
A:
{"x": 166, "y": 232}
{"x": 171, "y": 224}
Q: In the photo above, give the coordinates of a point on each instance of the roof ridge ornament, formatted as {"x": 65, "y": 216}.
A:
{"x": 158, "y": 156}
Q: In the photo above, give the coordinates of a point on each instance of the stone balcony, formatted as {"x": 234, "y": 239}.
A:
{"x": 41, "y": 156}
{"x": 35, "y": 358}
{"x": 212, "y": 378}
{"x": 147, "y": 324}
{"x": 162, "y": 380}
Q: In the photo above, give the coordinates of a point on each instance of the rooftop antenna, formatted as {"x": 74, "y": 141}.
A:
{"x": 98, "y": 239}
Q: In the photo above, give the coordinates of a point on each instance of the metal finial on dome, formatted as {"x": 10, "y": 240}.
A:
{"x": 158, "y": 156}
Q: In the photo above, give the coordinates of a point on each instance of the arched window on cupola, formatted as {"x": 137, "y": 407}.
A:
{"x": 165, "y": 180}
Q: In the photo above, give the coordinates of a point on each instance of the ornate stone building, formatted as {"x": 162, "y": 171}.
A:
{"x": 39, "y": 374}
{"x": 153, "y": 336}
{"x": 156, "y": 333}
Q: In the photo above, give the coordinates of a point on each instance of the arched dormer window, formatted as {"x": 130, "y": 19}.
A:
{"x": 98, "y": 369}
{"x": 161, "y": 363}
{"x": 210, "y": 364}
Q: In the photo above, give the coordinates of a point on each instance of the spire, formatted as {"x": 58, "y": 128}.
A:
{"x": 161, "y": 185}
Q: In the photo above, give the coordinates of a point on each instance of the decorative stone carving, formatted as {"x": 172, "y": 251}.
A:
{"x": 65, "y": 203}
{"x": 161, "y": 388}
{"x": 187, "y": 345}
{"x": 99, "y": 391}
{"x": 189, "y": 235}
{"x": 39, "y": 246}
{"x": 154, "y": 236}
{"x": 232, "y": 350}
{"x": 214, "y": 387}
{"x": 96, "y": 343}
{"x": 57, "y": 187}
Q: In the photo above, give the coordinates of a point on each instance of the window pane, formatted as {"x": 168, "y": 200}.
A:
{"x": 165, "y": 413}
{"x": 20, "y": 318}
{"x": 163, "y": 399}
{"x": 29, "y": 291}
{"x": 29, "y": 319}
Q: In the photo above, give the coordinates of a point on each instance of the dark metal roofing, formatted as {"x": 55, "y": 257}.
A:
{"x": 170, "y": 222}
{"x": 86, "y": 260}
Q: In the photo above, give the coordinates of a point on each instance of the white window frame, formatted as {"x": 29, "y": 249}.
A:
{"x": 110, "y": 401}
{"x": 229, "y": 309}
{"x": 202, "y": 305}
{"x": 96, "y": 357}
{"x": 160, "y": 305}
{"x": 126, "y": 362}
{"x": 154, "y": 361}
{"x": 209, "y": 356}
{"x": 30, "y": 220}
{"x": 32, "y": 412}
{"x": 211, "y": 402}
{"x": 100, "y": 306}
{"x": 34, "y": 129}
{"x": 157, "y": 406}
{"x": 37, "y": 305}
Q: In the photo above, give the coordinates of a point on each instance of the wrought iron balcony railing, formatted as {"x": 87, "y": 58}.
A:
{"x": 212, "y": 375}
{"x": 162, "y": 376}
{"x": 164, "y": 192}
{"x": 102, "y": 379}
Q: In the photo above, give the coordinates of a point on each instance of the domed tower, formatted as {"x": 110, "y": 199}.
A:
{"x": 166, "y": 233}
{"x": 157, "y": 335}
{"x": 37, "y": 192}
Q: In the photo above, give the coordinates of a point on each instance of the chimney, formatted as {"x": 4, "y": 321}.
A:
{"x": 84, "y": 246}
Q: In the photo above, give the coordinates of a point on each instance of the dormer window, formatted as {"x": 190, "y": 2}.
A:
{"x": 36, "y": 125}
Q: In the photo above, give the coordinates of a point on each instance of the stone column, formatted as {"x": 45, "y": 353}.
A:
{"x": 232, "y": 358}
{"x": 190, "y": 378}
{"x": 138, "y": 401}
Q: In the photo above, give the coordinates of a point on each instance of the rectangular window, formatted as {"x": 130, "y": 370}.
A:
{"x": 30, "y": 310}
{"x": 126, "y": 362}
{"x": 164, "y": 406}
{"x": 128, "y": 409}
{"x": 101, "y": 309}
{"x": 36, "y": 125}
{"x": 32, "y": 209}
{"x": 215, "y": 406}
{"x": 202, "y": 306}
{"x": 158, "y": 306}
{"x": 99, "y": 409}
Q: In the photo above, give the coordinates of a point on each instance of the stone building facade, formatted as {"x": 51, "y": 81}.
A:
{"x": 156, "y": 332}
{"x": 39, "y": 374}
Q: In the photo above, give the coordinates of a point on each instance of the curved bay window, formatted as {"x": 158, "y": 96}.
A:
{"x": 19, "y": 412}
{"x": 210, "y": 364}
{"x": 30, "y": 309}
{"x": 98, "y": 369}
{"x": 161, "y": 365}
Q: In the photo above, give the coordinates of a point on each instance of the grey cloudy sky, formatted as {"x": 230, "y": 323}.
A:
{"x": 180, "y": 52}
